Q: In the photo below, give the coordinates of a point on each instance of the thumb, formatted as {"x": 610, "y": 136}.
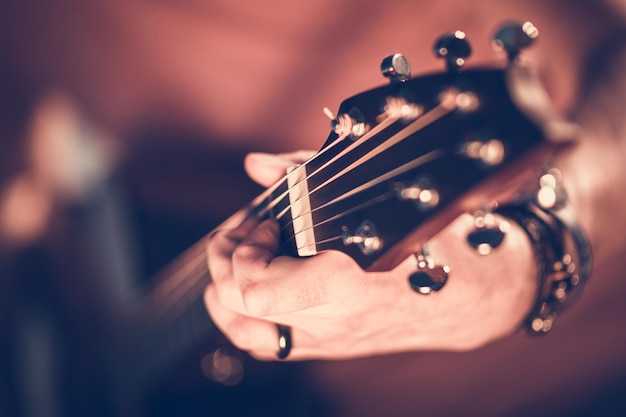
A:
{"x": 266, "y": 168}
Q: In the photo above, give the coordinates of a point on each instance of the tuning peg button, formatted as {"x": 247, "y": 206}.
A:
{"x": 347, "y": 124}
{"x": 488, "y": 232}
{"x": 489, "y": 152}
{"x": 421, "y": 191}
{"x": 454, "y": 48}
{"x": 365, "y": 237}
{"x": 396, "y": 68}
{"x": 513, "y": 37}
{"x": 429, "y": 277}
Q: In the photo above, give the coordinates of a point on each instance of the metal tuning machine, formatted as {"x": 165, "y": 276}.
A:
{"x": 488, "y": 232}
{"x": 429, "y": 277}
{"x": 365, "y": 237}
{"x": 513, "y": 37}
{"x": 454, "y": 49}
{"x": 396, "y": 68}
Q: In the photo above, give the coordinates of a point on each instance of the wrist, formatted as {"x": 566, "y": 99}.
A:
{"x": 560, "y": 247}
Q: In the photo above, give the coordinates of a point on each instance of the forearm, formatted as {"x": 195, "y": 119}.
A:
{"x": 593, "y": 176}
{"x": 594, "y": 170}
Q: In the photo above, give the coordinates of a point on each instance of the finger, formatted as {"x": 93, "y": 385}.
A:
{"x": 221, "y": 246}
{"x": 246, "y": 333}
{"x": 251, "y": 258}
{"x": 219, "y": 253}
{"x": 256, "y": 251}
{"x": 266, "y": 169}
{"x": 278, "y": 285}
{"x": 256, "y": 336}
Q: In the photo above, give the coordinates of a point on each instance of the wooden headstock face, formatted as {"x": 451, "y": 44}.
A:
{"x": 404, "y": 159}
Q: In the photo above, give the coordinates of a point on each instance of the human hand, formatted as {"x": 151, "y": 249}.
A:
{"x": 338, "y": 311}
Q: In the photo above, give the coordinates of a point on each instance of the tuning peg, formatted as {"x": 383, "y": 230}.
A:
{"x": 454, "y": 48}
{"x": 365, "y": 237}
{"x": 396, "y": 68}
{"x": 421, "y": 191}
{"x": 513, "y": 37}
{"x": 488, "y": 232}
{"x": 429, "y": 277}
{"x": 489, "y": 152}
{"x": 551, "y": 194}
{"x": 347, "y": 124}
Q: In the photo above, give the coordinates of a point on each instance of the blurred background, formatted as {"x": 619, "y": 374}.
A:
{"x": 123, "y": 127}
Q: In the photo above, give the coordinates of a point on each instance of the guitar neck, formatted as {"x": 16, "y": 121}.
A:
{"x": 161, "y": 328}
{"x": 169, "y": 322}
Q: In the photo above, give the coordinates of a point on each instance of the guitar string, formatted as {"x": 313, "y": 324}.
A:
{"x": 189, "y": 269}
{"x": 192, "y": 279}
{"x": 192, "y": 273}
{"x": 189, "y": 280}
{"x": 188, "y": 259}
{"x": 435, "y": 114}
{"x": 385, "y": 196}
{"x": 425, "y": 120}
{"x": 168, "y": 284}
{"x": 384, "y": 124}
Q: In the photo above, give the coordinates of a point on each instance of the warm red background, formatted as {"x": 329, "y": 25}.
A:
{"x": 223, "y": 78}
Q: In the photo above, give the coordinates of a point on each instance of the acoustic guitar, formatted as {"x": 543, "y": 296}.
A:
{"x": 401, "y": 161}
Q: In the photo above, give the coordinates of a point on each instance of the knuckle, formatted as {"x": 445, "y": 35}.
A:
{"x": 211, "y": 244}
{"x": 218, "y": 246}
{"x": 243, "y": 253}
{"x": 217, "y": 238}
{"x": 255, "y": 299}
{"x": 248, "y": 262}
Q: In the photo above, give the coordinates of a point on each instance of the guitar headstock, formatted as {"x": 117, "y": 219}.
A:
{"x": 404, "y": 159}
